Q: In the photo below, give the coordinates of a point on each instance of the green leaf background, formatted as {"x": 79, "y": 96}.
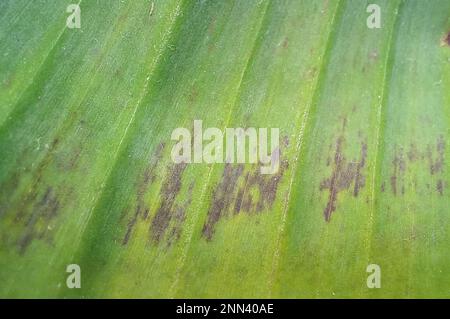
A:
{"x": 86, "y": 175}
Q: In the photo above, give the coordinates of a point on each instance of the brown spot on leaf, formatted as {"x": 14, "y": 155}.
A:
{"x": 148, "y": 177}
{"x": 130, "y": 227}
{"x": 240, "y": 196}
{"x": 440, "y": 187}
{"x": 343, "y": 176}
{"x": 399, "y": 165}
{"x": 433, "y": 155}
{"x": 222, "y": 197}
{"x": 256, "y": 194}
{"x": 266, "y": 185}
{"x": 413, "y": 153}
{"x": 168, "y": 209}
{"x": 37, "y": 224}
{"x": 359, "y": 178}
{"x": 436, "y": 164}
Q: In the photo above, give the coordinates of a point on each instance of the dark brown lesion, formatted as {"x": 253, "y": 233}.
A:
{"x": 359, "y": 178}
{"x": 433, "y": 155}
{"x": 178, "y": 218}
{"x": 141, "y": 209}
{"x": 344, "y": 175}
{"x": 399, "y": 167}
{"x": 168, "y": 208}
{"x": 440, "y": 187}
{"x": 222, "y": 197}
{"x": 436, "y": 164}
{"x": 37, "y": 224}
{"x": 166, "y": 224}
{"x": 265, "y": 186}
{"x": 247, "y": 192}
{"x": 413, "y": 153}
{"x": 36, "y": 210}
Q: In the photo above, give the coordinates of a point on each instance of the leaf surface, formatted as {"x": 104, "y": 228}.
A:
{"x": 87, "y": 178}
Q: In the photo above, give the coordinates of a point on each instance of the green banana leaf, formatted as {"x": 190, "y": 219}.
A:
{"x": 87, "y": 176}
